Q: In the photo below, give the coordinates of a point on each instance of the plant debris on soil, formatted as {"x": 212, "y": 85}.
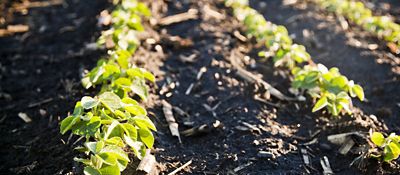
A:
{"x": 226, "y": 124}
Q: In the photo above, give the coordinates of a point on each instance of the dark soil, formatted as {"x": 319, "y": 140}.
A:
{"x": 47, "y": 65}
{"x": 40, "y": 71}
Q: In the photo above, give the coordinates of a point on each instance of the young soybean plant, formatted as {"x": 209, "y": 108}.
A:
{"x": 332, "y": 89}
{"x": 118, "y": 76}
{"x": 113, "y": 122}
{"x": 110, "y": 125}
{"x": 386, "y": 149}
{"x": 276, "y": 38}
{"x": 126, "y": 22}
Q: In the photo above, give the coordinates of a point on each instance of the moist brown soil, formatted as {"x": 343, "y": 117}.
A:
{"x": 47, "y": 65}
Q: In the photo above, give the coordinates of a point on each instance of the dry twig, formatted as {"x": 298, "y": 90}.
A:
{"x": 190, "y": 14}
{"x": 253, "y": 79}
{"x": 173, "y": 126}
{"x": 180, "y": 168}
{"x": 148, "y": 165}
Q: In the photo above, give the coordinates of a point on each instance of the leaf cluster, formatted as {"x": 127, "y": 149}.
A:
{"x": 386, "y": 148}
{"x": 118, "y": 76}
{"x": 275, "y": 37}
{"x": 113, "y": 122}
{"x": 355, "y": 11}
{"x": 332, "y": 89}
{"x": 126, "y": 22}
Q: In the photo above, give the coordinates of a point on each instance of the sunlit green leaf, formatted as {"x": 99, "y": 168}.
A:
{"x": 91, "y": 171}
{"x": 111, "y": 128}
{"x": 130, "y": 130}
{"x": 140, "y": 89}
{"x": 136, "y": 110}
{"x": 110, "y": 100}
{"x": 321, "y": 103}
{"x": 144, "y": 122}
{"x": 115, "y": 141}
{"x": 110, "y": 170}
{"x": 358, "y": 90}
{"x": 84, "y": 161}
{"x": 117, "y": 151}
{"x": 129, "y": 101}
{"x": 377, "y": 138}
{"x": 149, "y": 76}
{"x": 92, "y": 146}
{"x": 89, "y": 102}
{"x": 67, "y": 123}
{"x": 78, "y": 110}
{"x": 87, "y": 128}
{"x": 146, "y": 137}
{"x": 108, "y": 158}
{"x": 134, "y": 145}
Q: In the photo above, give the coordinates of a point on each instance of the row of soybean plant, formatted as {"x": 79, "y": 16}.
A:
{"x": 113, "y": 123}
{"x": 383, "y": 27}
{"x": 356, "y": 12}
{"x": 330, "y": 90}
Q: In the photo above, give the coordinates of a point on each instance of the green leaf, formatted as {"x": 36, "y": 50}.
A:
{"x": 143, "y": 9}
{"x": 111, "y": 128}
{"x": 358, "y": 90}
{"x": 87, "y": 116}
{"x": 136, "y": 110}
{"x": 99, "y": 146}
{"x": 123, "y": 62}
{"x": 122, "y": 164}
{"x": 96, "y": 73}
{"x": 394, "y": 137}
{"x": 378, "y": 139}
{"x": 84, "y": 161}
{"x": 108, "y": 158}
{"x": 321, "y": 103}
{"x": 340, "y": 81}
{"x": 395, "y": 149}
{"x": 149, "y": 76}
{"x": 110, "y": 170}
{"x": 91, "y": 171}
{"x": 140, "y": 89}
{"x": 110, "y": 100}
{"x": 123, "y": 82}
{"x": 89, "y": 102}
{"x": 110, "y": 69}
{"x": 120, "y": 114}
{"x": 87, "y": 128}
{"x": 96, "y": 162}
{"x": 67, "y": 123}
{"x": 134, "y": 72}
{"x": 78, "y": 110}
{"x": 346, "y": 105}
{"x": 144, "y": 122}
{"x": 116, "y": 141}
{"x": 86, "y": 83}
{"x": 130, "y": 130}
{"x": 391, "y": 152}
{"x": 91, "y": 146}
{"x": 129, "y": 101}
{"x": 146, "y": 137}
{"x": 135, "y": 145}
{"x": 117, "y": 151}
